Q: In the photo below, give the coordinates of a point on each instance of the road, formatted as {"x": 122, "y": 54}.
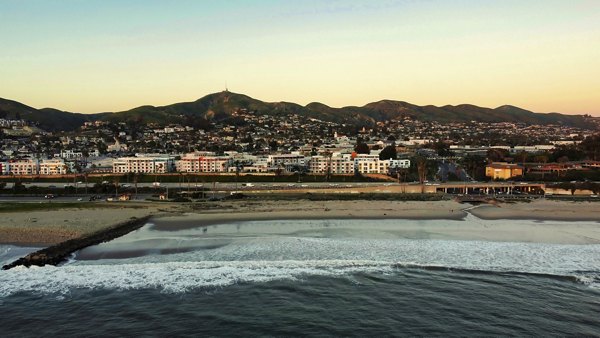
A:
{"x": 217, "y": 185}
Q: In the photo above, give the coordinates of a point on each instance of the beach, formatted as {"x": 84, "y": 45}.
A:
{"x": 46, "y": 227}
{"x": 328, "y": 263}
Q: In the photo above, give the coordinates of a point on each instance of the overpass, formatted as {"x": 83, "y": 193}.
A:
{"x": 415, "y": 188}
{"x": 508, "y": 188}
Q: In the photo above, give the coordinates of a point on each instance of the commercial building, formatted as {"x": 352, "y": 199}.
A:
{"x": 503, "y": 171}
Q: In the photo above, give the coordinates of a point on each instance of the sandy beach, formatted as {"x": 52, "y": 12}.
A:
{"x": 556, "y": 221}
{"x": 45, "y": 227}
{"x": 53, "y": 226}
{"x": 541, "y": 210}
{"x": 238, "y": 211}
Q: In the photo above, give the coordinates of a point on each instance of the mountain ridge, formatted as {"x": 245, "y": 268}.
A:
{"x": 219, "y": 106}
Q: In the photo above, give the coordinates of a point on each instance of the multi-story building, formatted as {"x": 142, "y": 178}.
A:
{"x": 199, "y": 163}
{"x": 53, "y": 167}
{"x": 502, "y": 170}
{"x": 3, "y": 168}
{"x": 333, "y": 165}
{"x": 286, "y": 159}
{"x": 71, "y": 154}
{"x": 143, "y": 164}
{"x": 371, "y": 164}
{"x": 29, "y": 166}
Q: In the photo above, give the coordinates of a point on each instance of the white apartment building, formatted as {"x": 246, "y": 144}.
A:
{"x": 28, "y": 166}
{"x": 259, "y": 165}
{"x": 399, "y": 164}
{"x": 199, "y": 163}
{"x": 334, "y": 165}
{"x": 70, "y": 154}
{"x": 143, "y": 164}
{"x": 371, "y": 164}
{"x": 286, "y": 159}
{"x": 53, "y": 167}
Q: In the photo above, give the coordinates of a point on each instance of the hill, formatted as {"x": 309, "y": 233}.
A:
{"x": 47, "y": 118}
{"x": 219, "y": 106}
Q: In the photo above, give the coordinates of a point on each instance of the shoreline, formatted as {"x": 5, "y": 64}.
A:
{"x": 309, "y": 210}
{"x": 44, "y": 228}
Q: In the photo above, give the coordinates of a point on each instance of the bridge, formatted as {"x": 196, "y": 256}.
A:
{"x": 506, "y": 188}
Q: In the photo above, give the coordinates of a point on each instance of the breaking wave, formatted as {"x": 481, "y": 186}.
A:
{"x": 258, "y": 260}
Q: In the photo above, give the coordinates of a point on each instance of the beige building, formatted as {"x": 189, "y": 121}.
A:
{"x": 53, "y": 167}
{"x": 143, "y": 164}
{"x": 503, "y": 171}
{"x": 194, "y": 163}
{"x": 29, "y": 166}
{"x": 333, "y": 165}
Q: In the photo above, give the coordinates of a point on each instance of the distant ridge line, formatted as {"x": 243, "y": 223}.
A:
{"x": 219, "y": 106}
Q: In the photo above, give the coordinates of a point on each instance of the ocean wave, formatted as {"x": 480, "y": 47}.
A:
{"x": 181, "y": 277}
{"x": 172, "y": 277}
{"x": 263, "y": 259}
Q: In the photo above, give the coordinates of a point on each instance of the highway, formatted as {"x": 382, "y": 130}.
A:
{"x": 209, "y": 185}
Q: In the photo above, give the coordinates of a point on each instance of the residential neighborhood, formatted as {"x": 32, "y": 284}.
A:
{"x": 253, "y": 143}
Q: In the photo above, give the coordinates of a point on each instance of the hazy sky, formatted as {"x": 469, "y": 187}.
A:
{"x": 91, "y": 56}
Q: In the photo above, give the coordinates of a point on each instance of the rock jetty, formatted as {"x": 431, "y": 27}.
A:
{"x": 58, "y": 253}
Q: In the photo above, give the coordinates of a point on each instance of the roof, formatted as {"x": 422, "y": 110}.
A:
{"x": 497, "y": 165}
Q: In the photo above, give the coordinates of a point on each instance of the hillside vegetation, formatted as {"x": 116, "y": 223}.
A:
{"x": 219, "y": 106}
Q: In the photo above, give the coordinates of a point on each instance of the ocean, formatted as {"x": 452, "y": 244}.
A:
{"x": 306, "y": 277}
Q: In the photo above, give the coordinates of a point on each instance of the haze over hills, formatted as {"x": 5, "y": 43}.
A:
{"x": 219, "y": 106}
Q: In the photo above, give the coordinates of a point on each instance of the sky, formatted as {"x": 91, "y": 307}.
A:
{"x": 94, "y": 56}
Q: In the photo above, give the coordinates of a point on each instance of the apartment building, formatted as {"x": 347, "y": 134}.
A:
{"x": 3, "y": 168}
{"x": 333, "y": 165}
{"x": 371, "y": 164}
{"x": 199, "y": 163}
{"x": 143, "y": 164}
{"x": 53, "y": 167}
{"x": 29, "y": 166}
{"x": 286, "y": 159}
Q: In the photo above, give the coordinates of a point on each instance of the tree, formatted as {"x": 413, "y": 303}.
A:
{"x": 473, "y": 165}
{"x": 388, "y": 152}
{"x": 591, "y": 147}
{"x": 273, "y": 145}
{"x": 521, "y": 157}
{"x": 442, "y": 149}
{"x": 421, "y": 163}
{"x": 362, "y": 148}
{"x": 496, "y": 154}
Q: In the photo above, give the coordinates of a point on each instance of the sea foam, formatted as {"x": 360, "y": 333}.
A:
{"x": 258, "y": 260}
